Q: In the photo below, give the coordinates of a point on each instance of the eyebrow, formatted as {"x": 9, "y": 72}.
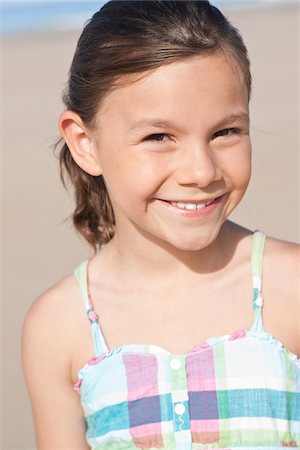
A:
{"x": 155, "y": 123}
{"x": 239, "y": 117}
{"x": 160, "y": 123}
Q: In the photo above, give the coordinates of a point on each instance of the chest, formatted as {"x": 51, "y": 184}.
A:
{"x": 222, "y": 394}
{"x": 179, "y": 319}
{"x": 184, "y": 317}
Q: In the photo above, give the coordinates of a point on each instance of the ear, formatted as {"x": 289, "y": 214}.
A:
{"x": 79, "y": 141}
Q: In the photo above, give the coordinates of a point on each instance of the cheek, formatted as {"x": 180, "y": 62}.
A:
{"x": 245, "y": 164}
{"x": 132, "y": 178}
{"x": 237, "y": 167}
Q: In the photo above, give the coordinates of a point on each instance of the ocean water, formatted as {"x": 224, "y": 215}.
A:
{"x": 20, "y": 16}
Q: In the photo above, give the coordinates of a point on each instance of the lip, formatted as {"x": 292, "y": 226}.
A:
{"x": 194, "y": 213}
{"x": 194, "y": 201}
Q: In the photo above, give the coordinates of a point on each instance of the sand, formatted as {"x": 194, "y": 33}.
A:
{"x": 39, "y": 248}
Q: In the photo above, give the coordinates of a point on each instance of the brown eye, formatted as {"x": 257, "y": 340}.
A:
{"x": 156, "y": 137}
{"x": 225, "y": 132}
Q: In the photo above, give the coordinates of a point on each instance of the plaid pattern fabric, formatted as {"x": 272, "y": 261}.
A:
{"x": 239, "y": 391}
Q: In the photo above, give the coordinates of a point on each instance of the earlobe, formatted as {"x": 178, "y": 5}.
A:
{"x": 79, "y": 142}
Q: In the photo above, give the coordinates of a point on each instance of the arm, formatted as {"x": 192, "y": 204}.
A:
{"x": 281, "y": 285}
{"x": 296, "y": 272}
{"x": 290, "y": 270}
{"x": 58, "y": 415}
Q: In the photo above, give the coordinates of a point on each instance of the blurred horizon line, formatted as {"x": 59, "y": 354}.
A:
{"x": 26, "y": 16}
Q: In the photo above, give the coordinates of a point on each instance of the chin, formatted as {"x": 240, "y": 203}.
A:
{"x": 183, "y": 240}
{"x": 191, "y": 244}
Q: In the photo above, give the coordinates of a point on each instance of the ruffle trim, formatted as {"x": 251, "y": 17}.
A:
{"x": 208, "y": 343}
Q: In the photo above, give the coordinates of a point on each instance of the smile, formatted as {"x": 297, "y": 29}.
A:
{"x": 192, "y": 209}
{"x": 191, "y": 206}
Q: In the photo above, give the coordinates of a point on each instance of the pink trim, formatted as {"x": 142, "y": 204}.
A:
{"x": 95, "y": 359}
{"x": 239, "y": 334}
{"x": 77, "y": 385}
{"x": 199, "y": 347}
{"x": 92, "y": 316}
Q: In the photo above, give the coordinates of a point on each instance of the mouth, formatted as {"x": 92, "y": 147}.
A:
{"x": 193, "y": 208}
{"x": 192, "y": 205}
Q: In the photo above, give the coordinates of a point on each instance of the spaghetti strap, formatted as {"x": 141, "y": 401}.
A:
{"x": 258, "y": 242}
{"x": 81, "y": 274}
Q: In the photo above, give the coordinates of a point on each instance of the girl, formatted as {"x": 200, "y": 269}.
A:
{"x": 176, "y": 353}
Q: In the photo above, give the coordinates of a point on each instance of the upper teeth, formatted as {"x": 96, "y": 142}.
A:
{"x": 190, "y": 206}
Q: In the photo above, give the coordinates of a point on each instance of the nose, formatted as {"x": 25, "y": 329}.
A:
{"x": 197, "y": 166}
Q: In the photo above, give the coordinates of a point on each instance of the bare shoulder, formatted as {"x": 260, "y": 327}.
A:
{"x": 48, "y": 344}
{"x": 51, "y": 308}
{"x": 281, "y": 291}
{"x": 53, "y": 320}
{"x": 283, "y": 257}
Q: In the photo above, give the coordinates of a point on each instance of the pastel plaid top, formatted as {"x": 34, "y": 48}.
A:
{"x": 239, "y": 391}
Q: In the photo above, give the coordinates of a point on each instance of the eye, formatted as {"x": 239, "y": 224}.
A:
{"x": 226, "y": 132}
{"x": 159, "y": 137}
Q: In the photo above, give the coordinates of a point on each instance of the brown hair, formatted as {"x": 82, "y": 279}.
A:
{"x": 132, "y": 37}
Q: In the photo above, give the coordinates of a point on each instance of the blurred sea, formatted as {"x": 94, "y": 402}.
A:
{"x": 20, "y": 16}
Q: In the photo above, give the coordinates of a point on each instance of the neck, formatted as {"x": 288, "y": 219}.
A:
{"x": 141, "y": 257}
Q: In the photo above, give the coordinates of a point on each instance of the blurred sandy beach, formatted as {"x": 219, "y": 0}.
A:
{"x": 39, "y": 247}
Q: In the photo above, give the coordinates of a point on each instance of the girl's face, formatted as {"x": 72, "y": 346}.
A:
{"x": 175, "y": 152}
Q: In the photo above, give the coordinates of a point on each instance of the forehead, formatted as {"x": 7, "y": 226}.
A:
{"x": 186, "y": 87}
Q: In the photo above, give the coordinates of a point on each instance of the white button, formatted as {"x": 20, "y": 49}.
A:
{"x": 179, "y": 408}
{"x": 175, "y": 363}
